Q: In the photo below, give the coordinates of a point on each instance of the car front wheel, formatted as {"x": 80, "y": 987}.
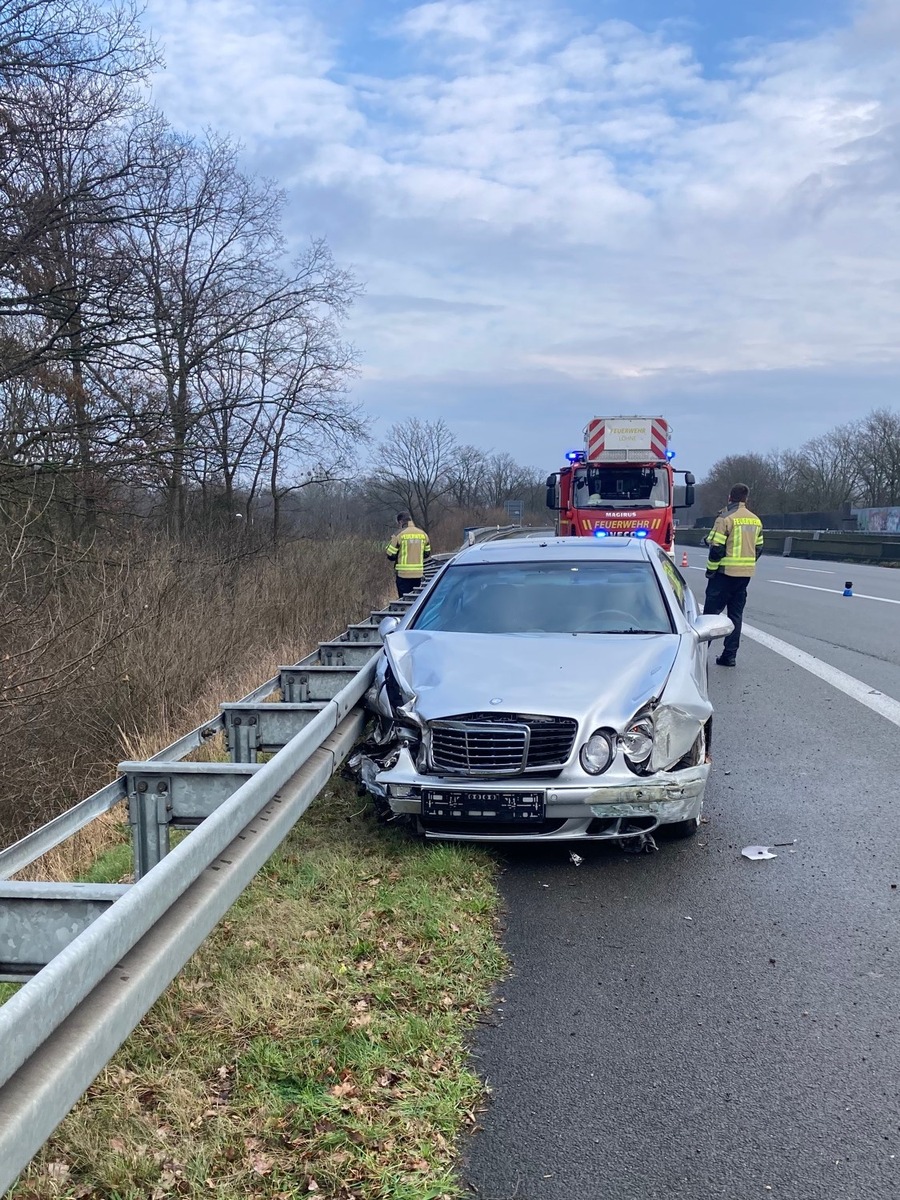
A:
{"x": 682, "y": 829}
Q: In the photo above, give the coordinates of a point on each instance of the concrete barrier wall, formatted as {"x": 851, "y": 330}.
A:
{"x": 833, "y": 547}
{"x": 690, "y": 537}
{"x": 858, "y": 536}
{"x": 861, "y": 549}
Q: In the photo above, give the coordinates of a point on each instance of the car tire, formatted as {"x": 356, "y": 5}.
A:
{"x": 679, "y": 830}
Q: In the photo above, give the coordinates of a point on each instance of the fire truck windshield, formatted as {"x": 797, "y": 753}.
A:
{"x": 619, "y": 485}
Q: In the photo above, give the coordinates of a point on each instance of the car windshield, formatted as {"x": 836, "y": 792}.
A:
{"x": 621, "y": 486}
{"x": 555, "y": 597}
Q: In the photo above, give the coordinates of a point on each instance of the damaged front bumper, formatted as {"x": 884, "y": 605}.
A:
{"x": 615, "y": 805}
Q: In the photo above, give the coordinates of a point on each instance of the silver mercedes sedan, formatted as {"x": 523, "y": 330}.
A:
{"x": 545, "y": 689}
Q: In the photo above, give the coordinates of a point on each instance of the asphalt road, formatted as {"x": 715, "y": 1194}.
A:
{"x": 693, "y": 1025}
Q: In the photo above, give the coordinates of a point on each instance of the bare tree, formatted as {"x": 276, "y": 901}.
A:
{"x": 38, "y": 37}
{"x": 414, "y": 466}
{"x": 759, "y": 472}
{"x": 854, "y": 463}
{"x": 66, "y": 68}
{"x": 75, "y": 272}
{"x": 273, "y": 410}
{"x": 204, "y": 246}
{"x": 505, "y": 479}
{"x": 875, "y": 454}
{"x": 821, "y": 474}
{"x": 467, "y": 477}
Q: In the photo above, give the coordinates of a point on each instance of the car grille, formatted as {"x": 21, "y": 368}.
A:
{"x": 494, "y": 743}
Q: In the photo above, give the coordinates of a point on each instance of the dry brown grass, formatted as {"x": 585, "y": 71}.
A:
{"x": 185, "y": 631}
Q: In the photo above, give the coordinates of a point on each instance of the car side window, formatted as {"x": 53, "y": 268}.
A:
{"x": 675, "y": 578}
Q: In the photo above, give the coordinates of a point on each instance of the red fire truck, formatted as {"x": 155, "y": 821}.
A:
{"x": 621, "y": 484}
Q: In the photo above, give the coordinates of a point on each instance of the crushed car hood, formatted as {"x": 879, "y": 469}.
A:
{"x": 600, "y": 675}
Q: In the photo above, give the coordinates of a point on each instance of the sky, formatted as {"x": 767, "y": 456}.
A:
{"x": 567, "y": 208}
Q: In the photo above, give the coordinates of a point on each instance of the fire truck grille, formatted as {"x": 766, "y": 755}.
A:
{"x": 493, "y": 743}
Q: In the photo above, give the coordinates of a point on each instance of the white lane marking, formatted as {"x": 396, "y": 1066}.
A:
{"x": 812, "y": 570}
{"x": 885, "y": 706}
{"x": 811, "y": 587}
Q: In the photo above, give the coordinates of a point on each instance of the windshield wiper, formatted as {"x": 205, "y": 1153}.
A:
{"x": 631, "y": 630}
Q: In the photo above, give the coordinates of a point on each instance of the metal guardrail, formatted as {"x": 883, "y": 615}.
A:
{"x": 488, "y": 533}
{"x": 95, "y": 958}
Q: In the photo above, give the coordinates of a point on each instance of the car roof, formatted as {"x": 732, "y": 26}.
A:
{"x": 556, "y": 549}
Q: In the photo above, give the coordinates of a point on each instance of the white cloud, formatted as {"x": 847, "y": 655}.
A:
{"x": 620, "y": 213}
{"x": 477, "y": 21}
{"x": 260, "y": 70}
{"x": 468, "y": 31}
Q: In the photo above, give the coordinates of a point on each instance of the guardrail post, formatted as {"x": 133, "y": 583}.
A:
{"x": 788, "y": 543}
{"x": 149, "y": 814}
{"x": 295, "y": 688}
{"x": 242, "y": 740}
{"x": 332, "y": 656}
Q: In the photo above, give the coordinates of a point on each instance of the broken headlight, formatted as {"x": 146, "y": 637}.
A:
{"x": 637, "y": 740}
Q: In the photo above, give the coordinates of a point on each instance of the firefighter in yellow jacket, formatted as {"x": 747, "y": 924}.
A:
{"x": 408, "y": 549}
{"x": 735, "y": 543}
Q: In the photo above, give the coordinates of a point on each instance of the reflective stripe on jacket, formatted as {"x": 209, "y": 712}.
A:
{"x": 409, "y": 548}
{"x": 735, "y": 542}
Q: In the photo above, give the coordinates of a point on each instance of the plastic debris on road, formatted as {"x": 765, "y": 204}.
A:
{"x": 756, "y": 853}
{"x": 575, "y": 858}
{"x": 643, "y": 843}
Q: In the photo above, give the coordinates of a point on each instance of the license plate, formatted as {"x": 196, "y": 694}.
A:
{"x": 483, "y": 806}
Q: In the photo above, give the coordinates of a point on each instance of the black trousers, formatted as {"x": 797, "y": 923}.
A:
{"x": 730, "y": 593}
{"x": 404, "y": 586}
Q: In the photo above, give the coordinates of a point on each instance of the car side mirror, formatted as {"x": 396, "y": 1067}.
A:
{"x": 388, "y": 625}
{"x": 709, "y": 627}
{"x": 552, "y": 501}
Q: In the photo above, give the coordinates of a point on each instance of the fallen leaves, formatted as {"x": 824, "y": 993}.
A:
{"x": 343, "y": 1090}
{"x": 261, "y": 1164}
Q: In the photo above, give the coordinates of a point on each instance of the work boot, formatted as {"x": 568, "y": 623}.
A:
{"x": 724, "y": 661}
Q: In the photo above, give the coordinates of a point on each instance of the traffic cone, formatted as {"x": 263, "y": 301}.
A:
{"x": 684, "y": 561}
{"x": 848, "y": 588}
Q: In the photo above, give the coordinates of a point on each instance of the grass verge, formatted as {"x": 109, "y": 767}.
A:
{"x": 315, "y": 1045}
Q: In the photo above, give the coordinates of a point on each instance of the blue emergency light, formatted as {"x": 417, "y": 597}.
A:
{"x": 601, "y": 533}
{"x": 670, "y": 454}
{"x": 575, "y": 455}
{"x": 642, "y": 533}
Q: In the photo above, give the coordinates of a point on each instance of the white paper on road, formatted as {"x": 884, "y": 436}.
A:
{"x": 757, "y": 853}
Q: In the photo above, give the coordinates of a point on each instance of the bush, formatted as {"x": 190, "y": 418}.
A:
{"x": 113, "y": 651}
